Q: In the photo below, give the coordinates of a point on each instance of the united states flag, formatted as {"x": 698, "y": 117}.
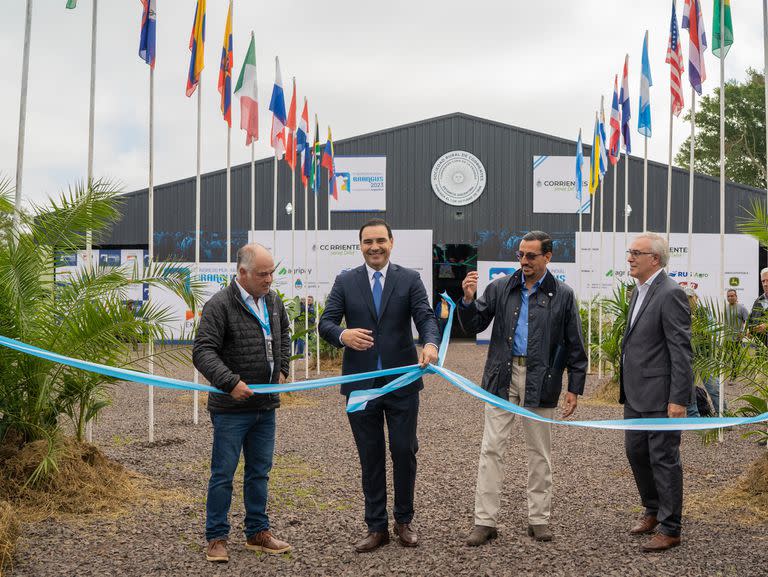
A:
{"x": 676, "y": 65}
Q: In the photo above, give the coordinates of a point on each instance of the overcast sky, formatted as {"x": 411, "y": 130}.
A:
{"x": 363, "y": 65}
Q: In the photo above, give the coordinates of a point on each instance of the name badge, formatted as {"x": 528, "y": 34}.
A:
{"x": 270, "y": 356}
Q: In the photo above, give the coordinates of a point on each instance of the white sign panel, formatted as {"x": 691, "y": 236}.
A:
{"x": 337, "y": 251}
{"x": 361, "y": 182}
{"x": 554, "y": 185}
{"x": 741, "y": 264}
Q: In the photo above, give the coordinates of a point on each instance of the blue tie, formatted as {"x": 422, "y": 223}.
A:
{"x": 377, "y": 291}
{"x": 377, "y": 303}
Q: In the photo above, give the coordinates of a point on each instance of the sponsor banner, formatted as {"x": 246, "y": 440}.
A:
{"x": 741, "y": 264}
{"x": 554, "y": 185}
{"x": 361, "y": 182}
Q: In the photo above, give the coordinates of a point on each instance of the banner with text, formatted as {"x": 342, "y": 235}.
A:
{"x": 362, "y": 184}
{"x": 554, "y": 185}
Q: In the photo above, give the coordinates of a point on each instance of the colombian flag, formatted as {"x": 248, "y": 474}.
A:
{"x": 225, "y": 70}
{"x": 196, "y": 47}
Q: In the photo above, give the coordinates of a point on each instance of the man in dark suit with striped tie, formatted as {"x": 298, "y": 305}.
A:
{"x": 378, "y": 301}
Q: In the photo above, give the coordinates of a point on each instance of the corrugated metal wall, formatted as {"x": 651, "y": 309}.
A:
{"x": 505, "y": 151}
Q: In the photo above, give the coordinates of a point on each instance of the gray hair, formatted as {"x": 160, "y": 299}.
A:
{"x": 247, "y": 253}
{"x": 764, "y": 271}
{"x": 659, "y": 246}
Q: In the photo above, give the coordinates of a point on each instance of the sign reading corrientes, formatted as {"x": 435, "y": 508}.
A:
{"x": 361, "y": 182}
{"x": 458, "y": 178}
{"x": 554, "y": 185}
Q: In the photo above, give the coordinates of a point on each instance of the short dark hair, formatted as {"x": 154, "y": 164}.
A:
{"x": 731, "y": 291}
{"x": 546, "y": 240}
{"x": 375, "y": 222}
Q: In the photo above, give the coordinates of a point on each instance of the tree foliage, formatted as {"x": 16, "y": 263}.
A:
{"x": 744, "y": 132}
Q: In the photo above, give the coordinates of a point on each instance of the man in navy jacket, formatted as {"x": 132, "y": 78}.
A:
{"x": 378, "y": 301}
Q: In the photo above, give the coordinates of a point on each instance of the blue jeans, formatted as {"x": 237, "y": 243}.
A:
{"x": 254, "y": 434}
{"x": 712, "y": 385}
{"x": 298, "y": 347}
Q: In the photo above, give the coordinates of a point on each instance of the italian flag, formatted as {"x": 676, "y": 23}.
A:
{"x": 247, "y": 91}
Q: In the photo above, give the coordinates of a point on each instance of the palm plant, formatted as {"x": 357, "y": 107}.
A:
{"x": 617, "y": 308}
{"x": 85, "y": 317}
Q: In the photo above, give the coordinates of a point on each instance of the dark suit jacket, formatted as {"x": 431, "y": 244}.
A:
{"x": 656, "y": 350}
{"x": 403, "y": 298}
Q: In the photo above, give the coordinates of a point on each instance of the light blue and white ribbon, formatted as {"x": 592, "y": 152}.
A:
{"x": 358, "y": 400}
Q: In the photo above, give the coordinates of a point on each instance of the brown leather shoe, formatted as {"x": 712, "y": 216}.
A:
{"x": 481, "y": 534}
{"x": 644, "y": 526}
{"x": 540, "y": 532}
{"x": 372, "y": 541}
{"x": 266, "y": 542}
{"x": 216, "y": 551}
{"x": 405, "y": 535}
{"x": 660, "y": 542}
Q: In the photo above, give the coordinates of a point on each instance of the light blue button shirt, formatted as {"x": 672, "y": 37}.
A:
{"x": 520, "y": 344}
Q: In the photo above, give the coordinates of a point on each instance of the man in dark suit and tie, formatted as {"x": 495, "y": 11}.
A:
{"x": 656, "y": 382}
{"x": 378, "y": 301}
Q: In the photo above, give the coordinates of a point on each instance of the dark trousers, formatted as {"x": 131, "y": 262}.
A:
{"x": 401, "y": 414}
{"x": 655, "y": 460}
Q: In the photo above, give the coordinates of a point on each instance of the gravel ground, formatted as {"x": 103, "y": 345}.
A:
{"x": 317, "y": 505}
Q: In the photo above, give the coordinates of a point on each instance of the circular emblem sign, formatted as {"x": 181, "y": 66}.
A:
{"x": 458, "y": 178}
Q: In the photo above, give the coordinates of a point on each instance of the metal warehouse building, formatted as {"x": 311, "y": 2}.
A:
{"x": 506, "y": 203}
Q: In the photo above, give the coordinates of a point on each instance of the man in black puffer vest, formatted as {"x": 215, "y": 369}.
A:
{"x": 243, "y": 339}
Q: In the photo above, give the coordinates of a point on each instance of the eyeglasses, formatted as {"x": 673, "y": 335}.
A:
{"x": 637, "y": 253}
{"x": 265, "y": 274}
{"x": 528, "y": 255}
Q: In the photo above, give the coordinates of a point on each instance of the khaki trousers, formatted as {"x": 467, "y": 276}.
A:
{"x": 490, "y": 470}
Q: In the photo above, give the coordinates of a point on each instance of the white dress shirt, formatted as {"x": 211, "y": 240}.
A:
{"x": 642, "y": 290}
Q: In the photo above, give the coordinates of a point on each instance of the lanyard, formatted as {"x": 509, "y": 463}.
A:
{"x": 264, "y": 322}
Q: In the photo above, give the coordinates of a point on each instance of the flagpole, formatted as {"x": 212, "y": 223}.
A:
{"x": 306, "y": 276}
{"x": 645, "y": 185}
{"x": 274, "y": 208}
{"x": 253, "y": 185}
{"x": 626, "y": 200}
{"x": 615, "y": 216}
{"x": 22, "y": 115}
{"x": 89, "y": 178}
{"x": 317, "y": 266}
{"x": 293, "y": 246}
{"x": 765, "y": 85}
{"x": 590, "y": 285}
{"x": 669, "y": 174}
{"x": 151, "y": 239}
{"x": 722, "y": 192}
{"x": 600, "y": 288}
{"x": 690, "y": 182}
{"x": 198, "y": 186}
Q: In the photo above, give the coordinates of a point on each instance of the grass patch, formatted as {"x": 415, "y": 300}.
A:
{"x": 745, "y": 502}
{"x": 9, "y": 532}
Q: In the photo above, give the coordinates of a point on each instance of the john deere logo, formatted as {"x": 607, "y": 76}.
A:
{"x": 734, "y": 281}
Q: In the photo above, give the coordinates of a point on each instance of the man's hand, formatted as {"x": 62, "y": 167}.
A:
{"x": 676, "y": 411}
{"x": 282, "y": 379}
{"x": 469, "y": 286}
{"x": 241, "y": 392}
{"x": 428, "y": 355}
{"x": 760, "y": 328}
{"x": 571, "y": 400}
{"x": 357, "y": 339}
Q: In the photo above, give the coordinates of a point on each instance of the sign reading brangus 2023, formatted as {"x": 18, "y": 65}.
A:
{"x": 458, "y": 178}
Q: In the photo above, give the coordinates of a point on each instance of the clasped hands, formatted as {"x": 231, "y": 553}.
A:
{"x": 361, "y": 340}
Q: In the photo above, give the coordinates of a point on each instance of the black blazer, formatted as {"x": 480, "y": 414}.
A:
{"x": 656, "y": 350}
{"x": 403, "y": 298}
